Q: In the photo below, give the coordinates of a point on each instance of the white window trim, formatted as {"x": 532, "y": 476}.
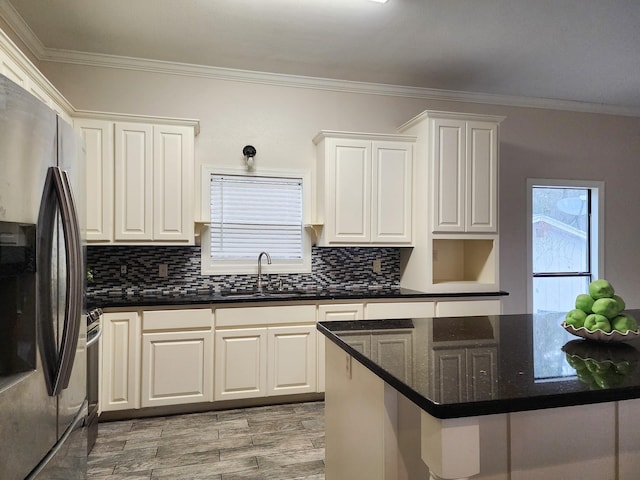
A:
{"x": 597, "y": 226}
{"x": 251, "y": 267}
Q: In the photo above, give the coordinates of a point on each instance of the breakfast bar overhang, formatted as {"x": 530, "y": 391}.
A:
{"x": 504, "y": 397}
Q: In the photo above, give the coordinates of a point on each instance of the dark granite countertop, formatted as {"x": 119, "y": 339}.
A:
{"x": 469, "y": 366}
{"x": 151, "y": 299}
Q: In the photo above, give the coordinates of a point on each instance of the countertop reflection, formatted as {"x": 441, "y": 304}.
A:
{"x": 464, "y": 366}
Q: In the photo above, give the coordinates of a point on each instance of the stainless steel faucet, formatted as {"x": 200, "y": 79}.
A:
{"x": 260, "y": 268}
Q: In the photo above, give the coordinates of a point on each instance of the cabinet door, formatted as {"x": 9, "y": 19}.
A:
{"x": 120, "y": 374}
{"x": 482, "y": 177}
{"x": 292, "y": 360}
{"x": 334, "y": 312}
{"x": 98, "y": 139}
{"x": 240, "y": 363}
{"x": 450, "y": 375}
{"x": 173, "y": 183}
{"x": 482, "y": 369}
{"x": 391, "y": 185}
{"x": 348, "y": 180}
{"x": 133, "y": 181}
{"x": 177, "y": 368}
{"x": 449, "y": 165}
{"x": 394, "y": 352}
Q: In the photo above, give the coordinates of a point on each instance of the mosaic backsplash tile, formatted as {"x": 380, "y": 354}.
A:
{"x": 344, "y": 267}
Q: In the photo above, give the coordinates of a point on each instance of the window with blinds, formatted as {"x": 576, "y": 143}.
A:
{"x": 251, "y": 214}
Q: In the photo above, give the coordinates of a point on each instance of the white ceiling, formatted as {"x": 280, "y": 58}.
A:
{"x": 566, "y": 50}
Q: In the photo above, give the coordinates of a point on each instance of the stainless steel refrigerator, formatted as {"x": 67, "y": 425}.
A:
{"x": 42, "y": 326}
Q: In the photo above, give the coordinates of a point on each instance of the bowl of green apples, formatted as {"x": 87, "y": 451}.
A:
{"x": 601, "y": 365}
{"x": 599, "y": 316}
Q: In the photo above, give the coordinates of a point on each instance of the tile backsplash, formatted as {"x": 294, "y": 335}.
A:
{"x": 344, "y": 267}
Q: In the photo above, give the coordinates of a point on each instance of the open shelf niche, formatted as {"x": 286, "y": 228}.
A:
{"x": 465, "y": 261}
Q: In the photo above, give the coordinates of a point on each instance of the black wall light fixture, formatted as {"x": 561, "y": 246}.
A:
{"x": 249, "y": 153}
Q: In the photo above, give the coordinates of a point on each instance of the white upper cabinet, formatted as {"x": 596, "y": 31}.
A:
{"x": 391, "y": 187}
{"x": 465, "y": 175}
{"x": 173, "y": 184}
{"x": 139, "y": 182}
{"x": 455, "y": 204}
{"x": 98, "y": 140}
{"x": 364, "y": 186}
{"x": 133, "y": 182}
{"x": 482, "y": 177}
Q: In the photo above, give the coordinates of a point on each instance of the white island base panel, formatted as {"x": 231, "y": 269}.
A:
{"x": 375, "y": 433}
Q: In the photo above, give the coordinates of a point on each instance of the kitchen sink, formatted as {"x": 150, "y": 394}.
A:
{"x": 266, "y": 294}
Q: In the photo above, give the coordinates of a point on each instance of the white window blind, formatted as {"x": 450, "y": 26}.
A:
{"x": 251, "y": 214}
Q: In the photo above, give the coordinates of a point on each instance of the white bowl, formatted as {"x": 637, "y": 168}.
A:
{"x": 601, "y": 336}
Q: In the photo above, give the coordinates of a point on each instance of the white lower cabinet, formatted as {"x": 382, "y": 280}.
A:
{"x": 177, "y": 357}
{"x": 168, "y": 357}
{"x": 265, "y": 351}
{"x": 156, "y": 358}
{"x": 120, "y": 374}
{"x": 241, "y": 363}
{"x": 334, "y": 312}
{"x": 292, "y": 359}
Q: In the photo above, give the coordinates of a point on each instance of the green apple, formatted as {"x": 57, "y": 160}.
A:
{"x": 623, "y": 368}
{"x": 621, "y": 304}
{"x": 594, "y": 366}
{"x": 608, "y": 307}
{"x": 575, "y": 318}
{"x": 623, "y": 323}
{"x": 584, "y": 302}
{"x": 576, "y": 362}
{"x": 585, "y": 376}
{"x": 595, "y": 322}
{"x": 601, "y": 289}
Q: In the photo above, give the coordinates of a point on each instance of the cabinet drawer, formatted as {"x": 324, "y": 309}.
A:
{"x": 237, "y": 317}
{"x": 177, "y": 319}
{"x": 340, "y": 311}
{"x": 468, "y": 308}
{"x": 376, "y": 311}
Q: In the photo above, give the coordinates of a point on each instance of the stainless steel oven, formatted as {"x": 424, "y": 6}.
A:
{"x": 94, "y": 330}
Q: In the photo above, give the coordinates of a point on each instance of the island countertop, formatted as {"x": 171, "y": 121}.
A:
{"x": 470, "y": 366}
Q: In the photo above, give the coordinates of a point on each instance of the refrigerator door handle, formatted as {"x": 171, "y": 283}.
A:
{"x": 75, "y": 284}
{"x": 57, "y": 195}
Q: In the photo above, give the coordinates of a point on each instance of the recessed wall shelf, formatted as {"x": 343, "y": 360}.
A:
{"x": 468, "y": 261}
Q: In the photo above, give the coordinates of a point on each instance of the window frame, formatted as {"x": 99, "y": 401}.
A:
{"x": 210, "y": 266}
{"x": 596, "y": 226}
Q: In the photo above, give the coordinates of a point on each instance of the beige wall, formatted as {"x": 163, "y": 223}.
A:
{"x": 281, "y": 121}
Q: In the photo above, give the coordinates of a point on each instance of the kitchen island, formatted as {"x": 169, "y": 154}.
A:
{"x": 505, "y": 397}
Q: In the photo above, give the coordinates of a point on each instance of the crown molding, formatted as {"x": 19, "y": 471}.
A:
{"x": 22, "y": 29}
{"x": 43, "y": 54}
{"x": 127, "y": 117}
{"x": 316, "y": 83}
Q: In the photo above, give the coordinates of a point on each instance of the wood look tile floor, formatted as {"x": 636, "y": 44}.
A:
{"x": 275, "y": 443}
